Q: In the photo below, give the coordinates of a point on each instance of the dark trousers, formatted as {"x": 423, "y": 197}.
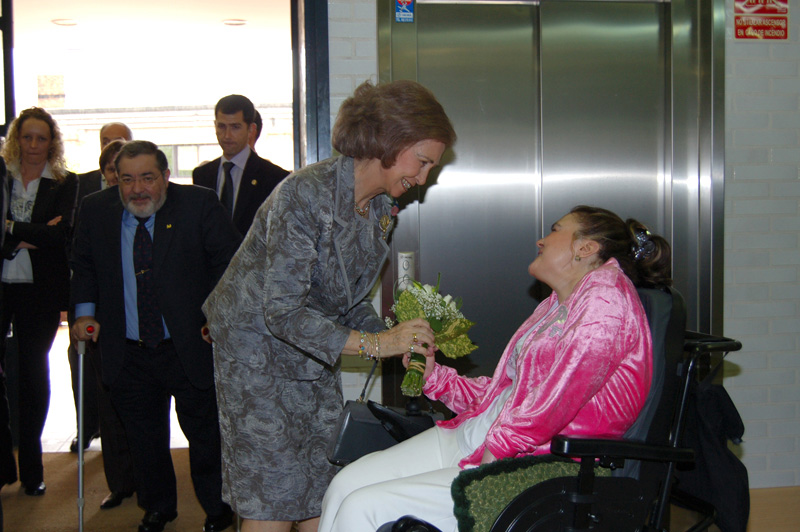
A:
{"x": 8, "y": 464}
{"x": 35, "y": 326}
{"x": 141, "y": 394}
{"x": 100, "y": 415}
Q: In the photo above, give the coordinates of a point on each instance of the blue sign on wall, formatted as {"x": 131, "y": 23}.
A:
{"x": 404, "y": 11}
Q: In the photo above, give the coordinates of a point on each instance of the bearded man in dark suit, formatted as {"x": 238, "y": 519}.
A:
{"x": 249, "y": 178}
{"x": 145, "y": 256}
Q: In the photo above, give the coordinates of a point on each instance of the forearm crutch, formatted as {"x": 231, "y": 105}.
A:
{"x": 81, "y": 348}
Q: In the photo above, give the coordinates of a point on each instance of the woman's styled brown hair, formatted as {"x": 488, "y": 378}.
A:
{"x": 380, "y": 121}
{"x": 109, "y": 153}
{"x": 55, "y": 155}
{"x": 644, "y": 257}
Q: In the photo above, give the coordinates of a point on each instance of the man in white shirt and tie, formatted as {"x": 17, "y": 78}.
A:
{"x": 249, "y": 178}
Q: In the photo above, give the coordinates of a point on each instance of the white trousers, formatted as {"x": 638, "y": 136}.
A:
{"x": 411, "y": 478}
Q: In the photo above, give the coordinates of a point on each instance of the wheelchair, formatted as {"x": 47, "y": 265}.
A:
{"x": 636, "y": 496}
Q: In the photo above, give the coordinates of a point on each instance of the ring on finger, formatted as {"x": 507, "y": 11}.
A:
{"x": 411, "y": 348}
{"x": 415, "y": 337}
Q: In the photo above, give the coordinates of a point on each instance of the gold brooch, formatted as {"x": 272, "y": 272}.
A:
{"x": 385, "y": 223}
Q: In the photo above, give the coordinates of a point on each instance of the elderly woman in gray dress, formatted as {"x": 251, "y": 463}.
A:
{"x": 295, "y": 299}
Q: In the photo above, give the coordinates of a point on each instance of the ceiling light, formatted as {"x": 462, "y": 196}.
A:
{"x": 64, "y": 22}
{"x": 234, "y": 22}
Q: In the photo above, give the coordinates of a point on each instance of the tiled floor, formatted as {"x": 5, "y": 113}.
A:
{"x": 59, "y": 430}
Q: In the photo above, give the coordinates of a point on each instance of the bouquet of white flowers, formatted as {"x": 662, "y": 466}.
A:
{"x": 448, "y": 323}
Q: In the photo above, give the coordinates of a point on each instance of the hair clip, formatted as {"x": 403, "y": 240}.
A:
{"x": 644, "y": 246}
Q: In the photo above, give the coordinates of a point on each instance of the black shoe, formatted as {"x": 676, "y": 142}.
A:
{"x": 114, "y": 499}
{"x": 155, "y": 521}
{"x": 36, "y": 490}
{"x": 217, "y": 523}
{"x": 409, "y": 523}
{"x": 73, "y": 447}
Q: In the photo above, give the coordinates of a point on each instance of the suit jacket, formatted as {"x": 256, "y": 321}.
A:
{"x": 88, "y": 183}
{"x": 193, "y": 241}
{"x": 4, "y": 198}
{"x": 49, "y": 260}
{"x": 258, "y": 179}
{"x": 300, "y": 280}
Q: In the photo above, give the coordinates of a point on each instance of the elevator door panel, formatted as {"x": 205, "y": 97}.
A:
{"x": 478, "y": 221}
{"x": 559, "y": 103}
{"x": 603, "y": 109}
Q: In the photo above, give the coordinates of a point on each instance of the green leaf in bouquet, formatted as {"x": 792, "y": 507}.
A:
{"x": 453, "y": 329}
{"x": 407, "y": 307}
{"x": 436, "y": 324}
{"x": 457, "y": 347}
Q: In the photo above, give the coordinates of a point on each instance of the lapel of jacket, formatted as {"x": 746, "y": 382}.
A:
{"x": 111, "y": 236}
{"x": 246, "y": 186}
{"x": 44, "y": 198}
{"x": 378, "y": 253}
{"x": 164, "y": 228}
{"x": 209, "y": 173}
{"x": 343, "y": 200}
{"x": 342, "y": 212}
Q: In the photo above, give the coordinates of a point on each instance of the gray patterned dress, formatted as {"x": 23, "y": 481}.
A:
{"x": 280, "y": 317}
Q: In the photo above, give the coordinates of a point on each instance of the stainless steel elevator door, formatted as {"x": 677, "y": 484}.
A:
{"x": 556, "y": 103}
{"x": 479, "y": 220}
{"x": 604, "y": 102}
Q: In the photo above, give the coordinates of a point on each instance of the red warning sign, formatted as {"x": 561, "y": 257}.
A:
{"x": 756, "y": 27}
{"x": 761, "y": 19}
{"x": 761, "y": 7}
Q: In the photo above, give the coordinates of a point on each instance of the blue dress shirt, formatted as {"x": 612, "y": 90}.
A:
{"x": 129, "y": 225}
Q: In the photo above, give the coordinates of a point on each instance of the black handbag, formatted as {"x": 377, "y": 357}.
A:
{"x": 366, "y": 427}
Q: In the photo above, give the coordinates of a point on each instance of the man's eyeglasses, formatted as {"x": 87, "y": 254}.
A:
{"x": 147, "y": 180}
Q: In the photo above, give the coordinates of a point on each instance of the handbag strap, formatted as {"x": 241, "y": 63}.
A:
{"x": 364, "y": 391}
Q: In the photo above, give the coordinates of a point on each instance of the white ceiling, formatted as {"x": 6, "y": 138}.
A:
{"x": 34, "y": 16}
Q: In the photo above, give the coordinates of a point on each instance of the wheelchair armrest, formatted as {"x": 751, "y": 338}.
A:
{"x": 697, "y": 343}
{"x": 574, "y": 447}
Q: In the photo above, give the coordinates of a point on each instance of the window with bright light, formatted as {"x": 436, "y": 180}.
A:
{"x": 159, "y": 67}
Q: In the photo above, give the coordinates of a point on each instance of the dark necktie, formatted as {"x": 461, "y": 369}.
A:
{"x": 151, "y": 330}
{"x": 227, "y": 188}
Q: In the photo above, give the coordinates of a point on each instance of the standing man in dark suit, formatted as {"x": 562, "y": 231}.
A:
{"x": 242, "y": 179}
{"x": 145, "y": 256}
{"x": 94, "y": 181}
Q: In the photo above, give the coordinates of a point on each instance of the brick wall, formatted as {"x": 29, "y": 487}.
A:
{"x": 762, "y": 252}
{"x": 762, "y": 224}
{"x": 352, "y": 39}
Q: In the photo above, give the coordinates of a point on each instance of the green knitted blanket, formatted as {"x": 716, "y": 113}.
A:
{"x": 480, "y": 494}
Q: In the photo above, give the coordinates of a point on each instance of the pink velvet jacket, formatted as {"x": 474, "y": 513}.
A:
{"x": 586, "y": 371}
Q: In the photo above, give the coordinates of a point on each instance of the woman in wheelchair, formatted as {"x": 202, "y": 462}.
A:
{"x": 580, "y": 366}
